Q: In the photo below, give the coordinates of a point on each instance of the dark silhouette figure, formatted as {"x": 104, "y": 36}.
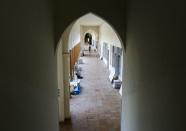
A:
{"x": 89, "y": 49}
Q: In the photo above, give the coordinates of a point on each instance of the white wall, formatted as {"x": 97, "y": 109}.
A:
{"x": 65, "y": 38}
{"x": 109, "y": 36}
{"x": 28, "y": 78}
{"x": 74, "y": 37}
{"x": 61, "y": 98}
{"x": 154, "y": 94}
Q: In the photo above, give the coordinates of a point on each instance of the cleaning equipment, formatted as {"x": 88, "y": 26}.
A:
{"x": 76, "y": 87}
{"x": 77, "y": 90}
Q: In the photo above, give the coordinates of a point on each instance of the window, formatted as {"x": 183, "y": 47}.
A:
{"x": 116, "y": 59}
{"x": 105, "y": 48}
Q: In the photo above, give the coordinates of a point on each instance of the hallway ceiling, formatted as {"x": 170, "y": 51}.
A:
{"x": 90, "y": 19}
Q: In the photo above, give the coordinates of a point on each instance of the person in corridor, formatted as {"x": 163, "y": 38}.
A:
{"x": 89, "y": 48}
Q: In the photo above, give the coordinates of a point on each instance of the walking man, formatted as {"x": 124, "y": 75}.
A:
{"x": 89, "y": 48}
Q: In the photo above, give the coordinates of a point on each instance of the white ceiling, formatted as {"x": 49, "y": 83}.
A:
{"x": 90, "y": 19}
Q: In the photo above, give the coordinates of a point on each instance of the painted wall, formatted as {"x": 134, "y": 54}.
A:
{"x": 154, "y": 94}
{"x": 60, "y": 78}
{"x": 109, "y": 36}
{"x": 66, "y": 71}
{"x": 74, "y": 36}
{"x": 28, "y": 66}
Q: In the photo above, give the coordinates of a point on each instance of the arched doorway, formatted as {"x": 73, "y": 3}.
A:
{"x": 88, "y": 38}
{"x": 71, "y": 38}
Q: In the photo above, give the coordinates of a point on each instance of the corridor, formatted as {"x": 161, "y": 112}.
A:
{"x": 98, "y": 106}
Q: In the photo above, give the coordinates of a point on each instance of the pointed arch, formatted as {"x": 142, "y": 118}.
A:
{"x": 70, "y": 26}
{"x": 64, "y": 44}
